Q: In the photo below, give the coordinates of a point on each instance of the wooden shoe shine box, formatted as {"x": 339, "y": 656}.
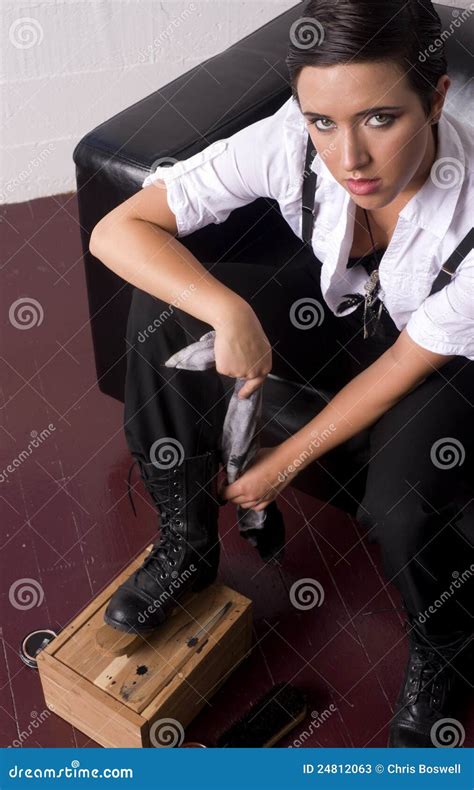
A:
{"x": 116, "y": 691}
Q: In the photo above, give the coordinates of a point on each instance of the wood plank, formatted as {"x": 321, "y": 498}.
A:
{"x": 89, "y": 708}
{"x": 135, "y": 679}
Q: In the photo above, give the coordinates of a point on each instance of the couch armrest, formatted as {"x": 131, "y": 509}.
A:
{"x": 243, "y": 84}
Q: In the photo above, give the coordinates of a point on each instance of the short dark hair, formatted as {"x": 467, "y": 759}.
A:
{"x": 357, "y": 31}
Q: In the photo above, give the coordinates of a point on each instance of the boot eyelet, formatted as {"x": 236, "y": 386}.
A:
{"x": 172, "y": 562}
{"x": 176, "y": 549}
{"x": 162, "y": 575}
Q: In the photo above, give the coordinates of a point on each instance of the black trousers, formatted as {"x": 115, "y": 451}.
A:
{"x": 418, "y": 497}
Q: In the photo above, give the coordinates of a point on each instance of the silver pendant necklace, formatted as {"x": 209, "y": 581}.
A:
{"x": 371, "y": 313}
{"x": 371, "y": 288}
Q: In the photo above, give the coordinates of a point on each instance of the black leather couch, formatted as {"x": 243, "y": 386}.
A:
{"x": 246, "y": 82}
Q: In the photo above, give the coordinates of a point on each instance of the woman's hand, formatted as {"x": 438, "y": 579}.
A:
{"x": 261, "y": 482}
{"x": 242, "y": 350}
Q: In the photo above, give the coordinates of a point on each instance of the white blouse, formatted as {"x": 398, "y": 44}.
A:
{"x": 266, "y": 159}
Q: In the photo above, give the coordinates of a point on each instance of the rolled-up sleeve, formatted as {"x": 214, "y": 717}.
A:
{"x": 444, "y": 322}
{"x": 226, "y": 175}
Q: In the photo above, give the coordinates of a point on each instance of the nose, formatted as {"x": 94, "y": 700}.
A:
{"x": 355, "y": 156}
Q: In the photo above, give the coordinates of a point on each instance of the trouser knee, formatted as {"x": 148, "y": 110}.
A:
{"x": 158, "y": 329}
{"x": 403, "y": 529}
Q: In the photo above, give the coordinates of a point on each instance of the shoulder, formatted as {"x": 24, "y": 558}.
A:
{"x": 276, "y": 145}
{"x": 457, "y": 163}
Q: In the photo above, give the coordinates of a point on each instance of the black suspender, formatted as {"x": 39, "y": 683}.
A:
{"x": 447, "y": 270}
{"x": 309, "y": 189}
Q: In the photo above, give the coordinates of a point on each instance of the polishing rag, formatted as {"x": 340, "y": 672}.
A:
{"x": 238, "y": 442}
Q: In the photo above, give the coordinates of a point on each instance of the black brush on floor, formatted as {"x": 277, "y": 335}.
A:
{"x": 267, "y": 721}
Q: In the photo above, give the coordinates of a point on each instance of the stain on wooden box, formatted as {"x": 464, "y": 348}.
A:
{"x": 116, "y": 696}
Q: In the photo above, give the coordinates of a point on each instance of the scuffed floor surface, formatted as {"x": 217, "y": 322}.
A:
{"x": 67, "y": 525}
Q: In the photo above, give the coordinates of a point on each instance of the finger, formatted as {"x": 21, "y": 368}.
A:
{"x": 256, "y": 505}
{"x": 251, "y": 386}
{"x": 228, "y": 492}
{"x": 245, "y": 501}
{"x": 242, "y": 499}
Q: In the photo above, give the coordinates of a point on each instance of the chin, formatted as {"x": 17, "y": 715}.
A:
{"x": 377, "y": 200}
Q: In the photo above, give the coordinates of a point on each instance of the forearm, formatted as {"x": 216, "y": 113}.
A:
{"x": 150, "y": 258}
{"x": 359, "y": 404}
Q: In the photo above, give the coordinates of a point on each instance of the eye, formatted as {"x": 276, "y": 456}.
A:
{"x": 320, "y": 120}
{"x": 388, "y": 121}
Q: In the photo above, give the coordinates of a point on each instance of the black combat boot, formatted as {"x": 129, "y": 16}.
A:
{"x": 185, "y": 555}
{"x": 433, "y": 690}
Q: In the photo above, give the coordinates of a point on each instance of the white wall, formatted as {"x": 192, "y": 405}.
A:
{"x": 68, "y": 65}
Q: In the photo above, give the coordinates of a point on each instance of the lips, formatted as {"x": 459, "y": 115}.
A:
{"x": 363, "y": 186}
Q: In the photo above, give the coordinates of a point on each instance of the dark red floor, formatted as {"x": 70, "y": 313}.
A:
{"x": 67, "y": 524}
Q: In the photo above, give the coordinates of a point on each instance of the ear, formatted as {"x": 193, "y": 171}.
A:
{"x": 439, "y": 98}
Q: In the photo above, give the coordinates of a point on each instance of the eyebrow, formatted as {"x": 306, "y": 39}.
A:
{"x": 313, "y": 115}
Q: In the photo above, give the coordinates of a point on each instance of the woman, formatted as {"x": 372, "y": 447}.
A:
{"x": 392, "y": 200}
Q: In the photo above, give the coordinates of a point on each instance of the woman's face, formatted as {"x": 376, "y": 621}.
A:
{"x": 395, "y": 145}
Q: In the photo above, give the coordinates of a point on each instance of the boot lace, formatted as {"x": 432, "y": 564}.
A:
{"x": 164, "y": 490}
{"x": 431, "y": 668}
